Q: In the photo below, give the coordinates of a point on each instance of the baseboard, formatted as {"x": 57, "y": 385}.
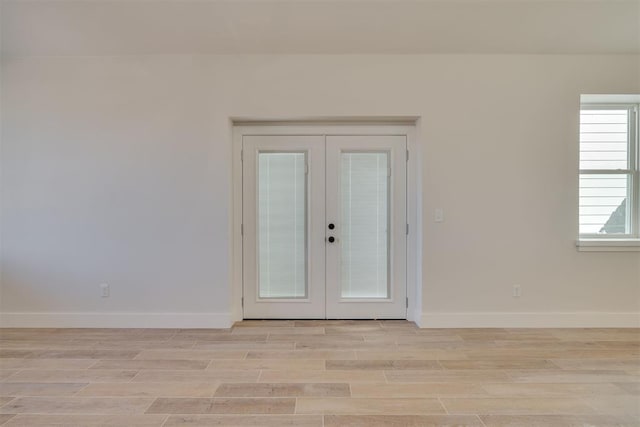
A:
{"x": 529, "y": 320}
{"x": 223, "y": 320}
{"x": 115, "y": 320}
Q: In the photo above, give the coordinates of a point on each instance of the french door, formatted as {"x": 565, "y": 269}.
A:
{"x": 324, "y": 226}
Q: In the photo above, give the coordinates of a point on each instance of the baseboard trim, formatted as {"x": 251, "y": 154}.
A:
{"x": 115, "y": 320}
{"x": 223, "y": 320}
{"x": 529, "y": 320}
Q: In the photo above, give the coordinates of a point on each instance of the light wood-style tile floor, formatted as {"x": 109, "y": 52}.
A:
{"x": 320, "y": 373}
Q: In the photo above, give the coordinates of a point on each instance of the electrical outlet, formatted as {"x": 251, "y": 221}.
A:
{"x": 438, "y": 215}
{"x": 104, "y": 290}
{"x": 516, "y": 291}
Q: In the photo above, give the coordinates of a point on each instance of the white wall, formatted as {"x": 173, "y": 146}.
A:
{"x": 118, "y": 170}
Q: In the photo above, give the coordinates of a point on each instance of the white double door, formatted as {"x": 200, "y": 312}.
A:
{"x": 324, "y": 226}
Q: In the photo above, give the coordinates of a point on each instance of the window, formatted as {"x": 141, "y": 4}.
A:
{"x": 609, "y": 189}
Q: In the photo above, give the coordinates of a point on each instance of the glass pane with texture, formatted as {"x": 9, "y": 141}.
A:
{"x": 603, "y": 204}
{"x": 282, "y": 225}
{"x": 364, "y": 188}
{"x": 604, "y": 139}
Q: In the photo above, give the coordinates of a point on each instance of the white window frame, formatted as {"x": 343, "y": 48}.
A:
{"x": 629, "y": 241}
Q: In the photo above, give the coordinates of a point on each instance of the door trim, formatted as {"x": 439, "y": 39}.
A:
{"x": 335, "y": 126}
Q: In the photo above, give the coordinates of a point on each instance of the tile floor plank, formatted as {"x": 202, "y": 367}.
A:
{"x": 243, "y": 345}
{"x": 631, "y": 388}
{"x": 553, "y": 421}
{"x": 84, "y": 354}
{"x": 276, "y": 405}
{"x": 513, "y": 406}
{"x": 5, "y": 399}
{"x": 551, "y": 389}
{"x": 5, "y": 418}
{"x": 366, "y": 406}
{"x": 433, "y": 354}
{"x": 283, "y": 390}
{"x": 6, "y": 373}
{"x": 303, "y": 354}
{"x": 41, "y": 389}
{"x": 244, "y": 420}
{"x": 273, "y": 364}
{"x": 190, "y": 354}
{"x": 446, "y": 375}
{"x": 166, "y": 364}
{"x": 302, "y": 376}
{"x": 150, "y": 389}
{"x": 499, "y": 364}
{"x": 71, "y": 376}
{"x": 8, "y": 363}
{"x": 401, "y": 421}
{"x": 281, "y": 330}
{"x": 417, "y": 390}
{"x": 226, "y": 375}
{"x": 86, "y": 420}
{"x": 378, "y": 365}
{"x": 76, "y": 405}
{"x": 573, "y": 376}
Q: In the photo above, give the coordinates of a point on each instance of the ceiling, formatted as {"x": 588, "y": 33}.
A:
{"x": 122, "y": 27}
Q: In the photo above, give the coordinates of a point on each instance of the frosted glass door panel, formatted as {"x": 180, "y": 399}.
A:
{"x": 364, "y": 185}
{"x": 365, "y": 226}
{"x": 282, "y": 225}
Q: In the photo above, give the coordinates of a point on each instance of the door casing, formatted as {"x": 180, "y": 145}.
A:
{"x": 362, "y": 127}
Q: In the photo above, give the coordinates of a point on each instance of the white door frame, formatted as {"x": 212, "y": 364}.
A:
{"x": 386, "y": 126}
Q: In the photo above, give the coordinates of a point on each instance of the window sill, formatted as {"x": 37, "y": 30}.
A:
{"x": 608, "y": 245}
